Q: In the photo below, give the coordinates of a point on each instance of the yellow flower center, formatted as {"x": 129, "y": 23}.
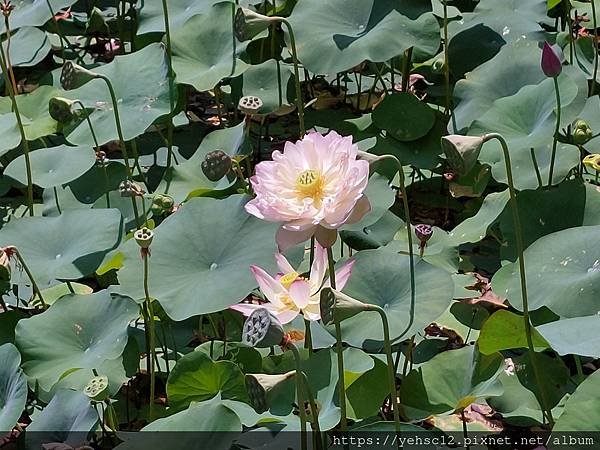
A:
{"x": 287, "y": 280}
{"x": 310, "y": 183}
{"x": 288, "y": 303}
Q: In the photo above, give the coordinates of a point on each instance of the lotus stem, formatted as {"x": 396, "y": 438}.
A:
{"x": 151, "y": 335}
{"x": 595, "y": 72}
{"x": 313, "y": 410}
{"x": 171, "y": 84}
{"x": 12, "y": 93}
{"x": 60, "y": 35}
{"x": 338, "y": 348}
{"x": 300, "y": 395}
{"x": 520, "y": 250}
{"x": 556, "y": 130}
{"x": 390, "y": 364}
{"x": 35, "y": 287}
{"x": 446, "y": 59}
{"x": 538, "y": 175}
{"x": 299, "y": 101}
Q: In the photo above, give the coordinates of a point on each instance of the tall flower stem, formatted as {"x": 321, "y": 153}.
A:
{"x": 15, "y": 106}
{"x": 151, "y": 333}
{"x": 113, "y": 98}
{"x": 595, "y": 25}
{"x": 390, "y": 364}
{"x": 299, "y": 101}
{"x": 556, "y": 130}
{"x": 314, "y": 411}
{"x": 60, "y": 35}
{"x": 171, "y": 84}
{"x": 97, "y": 146}
{"x": 300, "y": 395}
{"x": 36, "y": 290}
{"x": 520, "y": 250}
{"x": 446, "y": 60}
{"x": 338, "y": 347}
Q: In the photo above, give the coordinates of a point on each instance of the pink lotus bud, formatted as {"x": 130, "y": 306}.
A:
{"x": 551, "y": 64}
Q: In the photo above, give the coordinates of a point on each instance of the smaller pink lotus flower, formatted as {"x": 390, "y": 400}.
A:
{"x": 314, "y": 187}
{"x": 290, "y": 294}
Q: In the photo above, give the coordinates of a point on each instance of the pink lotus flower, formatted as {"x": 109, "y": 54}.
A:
{"x": 315, "y": 186}
{"x": 289, "y": 294}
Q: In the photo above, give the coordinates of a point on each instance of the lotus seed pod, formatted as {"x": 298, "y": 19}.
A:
{"x": 144, "y": 237}
{"x": 250, "y": 105}
{"x": 4, "y": 266}
{"x": 101, "y": 157}
{"x": 259, "y": 385}
{"x": 74, "y": 76}
{"x": 592, "y": 161}
{"x": 344, "y": 306}
{"x": 97, "y": 388}
{"x": 162, "y": 204}
{"x": 128, "y": 188}
{"x": 582, "y": 133}
{"x": 61, "y": 109}
{"x": 261, "y": 329}
{"x": 216, "y": 165}
{"x": 462, "y": 152}
{"x": 248, "y": 23}
{"x": 423, "y": 232}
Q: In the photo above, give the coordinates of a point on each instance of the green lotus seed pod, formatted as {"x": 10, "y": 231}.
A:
{"x": 343, "y": 305}
{"x": 61, "y": 109}
{"x": 144, "y": 237}
{"x": 74, "y": 76}
{"x": 259, "y": 385}
{"x": 261, "y": 329}
{"x": 216, "y": 165}
{"x": 250, "y": 105}
{"x": 97, "y": 388}
{"x": 582, "y": 133}
{"x": 162, "y": 204}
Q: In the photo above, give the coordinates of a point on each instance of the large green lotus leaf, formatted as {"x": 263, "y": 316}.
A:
{"x": 33, "y": 108}
{"x": 537, "y": 211}
{"x": 33, "y": 12}
{"x": 562, "y": 271}
{"x": 337, "y": 35}
{"x": 527, "y": 120}
{"x": 452, "y": 380}
{"x": 381, "y": 277}
{"x": 554, "y": 380}
{"x": 404, "y": 117}
{"x": 142, "y": 91}
{"x": 67, "y": 418}
{"x": 201, "y": 257}
{"x": 515, "y": 66}
{"x": 375, "y": 235}
{"x": 381, "y": 196}
{"x": 13, "y": 387}
{"x": 77, "y": 332}
{"x": 577, "y": 336}
{"x": 196, "y": 378}
{"x": 29, "y": 46}
{"x": 66, "y": 247}
{"x": 10, "y": 132}
{"x": 268, "y": 82}
{"x": 187, "y": 176}
{"x": 152, "y": 20}
{"x": 505, "y": 330}
{"x": 205, "y": 50}
{"x": 502, "y": 17}
{"x": 367, "y": 393}
{"x": 581, "y": 411}
{"x": 53, "y": 166}
{"x": 472, "y": 47}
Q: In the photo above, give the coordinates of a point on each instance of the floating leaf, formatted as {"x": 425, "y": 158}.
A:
{"x": 404, "y": 117}
{"x": 504, "y": 331}
{"x": 78, "y": 331}
{"x": 13, "y": 387}
{"x": 577, "y": 336}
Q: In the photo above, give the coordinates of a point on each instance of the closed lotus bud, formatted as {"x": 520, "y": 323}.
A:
{"x": 259, "y": 385}
{"x": 261, "y": 329}
{"x": 97, "y": 388}
{"x": 61, "y": 109}
{"x": 582, "y": 132}
{"x": 128, "y": 188}
{"x": 162, "y": 204}
{"x": 4, "y": 266}
{"x": 216, "y": 165}
{"x": 462, "y": 152}
{"x": 74, "y": 76}
{"x": 344, "y": 306}
{"x": 250, "y": 105}
{"x": 551, "y": 64}
{"x": 248, "y": 23}
{"x": 592, "y": 161}
{"x": 144, "y": 237}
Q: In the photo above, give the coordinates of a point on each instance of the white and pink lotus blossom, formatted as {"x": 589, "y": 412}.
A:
{"x": 290, "y": 294}
{"x": 314, "y": 187}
